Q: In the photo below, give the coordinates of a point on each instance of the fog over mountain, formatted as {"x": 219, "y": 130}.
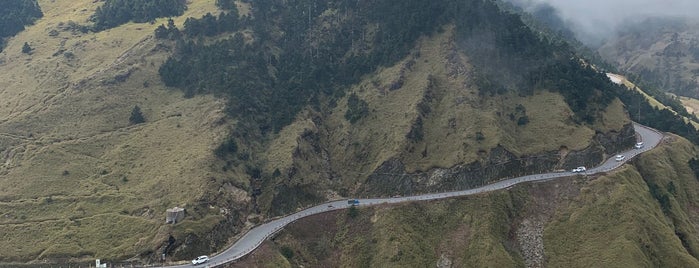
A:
{"x": 595, "y": 20}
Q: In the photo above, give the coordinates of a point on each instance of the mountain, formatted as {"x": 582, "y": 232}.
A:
{"x": 79, "y": 181}
{"x": 665, "y": 52}
{"x": 15, "y": 15}
{"x": 637, "y": 216}
{"x": 242, "y": 111}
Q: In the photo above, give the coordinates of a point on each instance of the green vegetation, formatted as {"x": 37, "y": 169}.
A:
{"x": 666, "y": 99}
{"x": 285, "y": 69}
{"x": 15, "y": 15}
{"x": 694, "y": 165}
{"x": 269, "y": 79}
{"x": 352, "y": 212}
{"x": 356, "y": 108}
{"x": 608, "y": 221}
{"x": 136, "y": 116}
{"x": 287, "y": 252}
{"x": 664, "y": 52}
{"x": 66, "y": 200}
{"x": 117, "y": 12}
{"x": 468, "y": 232}
{"x": 26, "y": 49}
{"x": 631, "y": 218}
{"x": 659, "y": 195}
{"x": 170, "y": 32}
{"x": 228, "y": 147}
{"x": 661, "y": 119}
{"x": 227, "y": 5}
{"x": 546, "y": 21}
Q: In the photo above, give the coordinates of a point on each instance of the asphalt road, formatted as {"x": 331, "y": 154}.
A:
{"x": 254, "y": 238}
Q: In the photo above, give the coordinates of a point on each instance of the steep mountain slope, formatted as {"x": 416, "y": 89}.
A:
{"x": 639, "y": 216}
{"x": 665, "y": 52}
{"x": 282, "y": 108}
{"x": 394, "y": 112}
{"x": 77, "y": 180}
{"x": 14, "y": 16}
{"x": 464, "y": 139}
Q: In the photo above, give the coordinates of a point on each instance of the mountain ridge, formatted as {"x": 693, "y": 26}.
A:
{"x": 286, "y": 141}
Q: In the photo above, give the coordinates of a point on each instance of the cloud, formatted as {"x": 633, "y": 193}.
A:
{"x": 595, "y": 20}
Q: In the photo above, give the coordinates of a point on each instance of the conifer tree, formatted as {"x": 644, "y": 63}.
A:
{"x": 136, "y": 116}
{"x": 26, "y": 49}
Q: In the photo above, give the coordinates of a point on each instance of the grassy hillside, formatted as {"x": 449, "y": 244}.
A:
{"x": 612, "y": 220}
{"x": 77, "y": 181}
{"x": 687, "y": 103}
{"x": 691, "y": 104}
{"x": 415, "y": 136}
{"x": 663, "y": 51}
{"x": 467, "y": 232}
{"x": 14, "y": 16}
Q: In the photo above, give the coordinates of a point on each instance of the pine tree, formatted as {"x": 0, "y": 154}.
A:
{"x": 26, "y": 49}
{"x": 136, "y": 116}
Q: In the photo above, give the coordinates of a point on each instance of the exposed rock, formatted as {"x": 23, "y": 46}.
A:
{"x": 530, "y": 237}
{"x": 444, "y": 262}
{"x": 391, "y": 177}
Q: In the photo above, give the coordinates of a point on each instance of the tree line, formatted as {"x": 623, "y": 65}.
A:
{"x": 15, "y": 15}
{"x": 117, "y": 12}
{"x": 289, "y": 63}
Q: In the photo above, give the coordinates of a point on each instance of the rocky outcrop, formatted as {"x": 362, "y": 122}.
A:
{"x": 391, "y": 178}
{"x": 530, "y": 237}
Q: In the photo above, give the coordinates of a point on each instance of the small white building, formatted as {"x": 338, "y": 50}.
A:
{"x": 174, "y": 215}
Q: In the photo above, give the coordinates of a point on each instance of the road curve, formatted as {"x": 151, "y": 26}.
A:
{"x": 256, "y": 236}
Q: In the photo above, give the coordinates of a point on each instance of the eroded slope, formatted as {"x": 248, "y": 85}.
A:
{"x": 642, "y": 215}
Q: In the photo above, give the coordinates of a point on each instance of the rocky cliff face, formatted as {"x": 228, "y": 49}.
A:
{"x": 392, "y": 178}
{"x": 634, "y": 216}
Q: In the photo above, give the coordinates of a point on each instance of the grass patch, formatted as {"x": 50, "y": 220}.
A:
{"x": 78, "y": 180}
{"x": 616, "y": 222}
{"x": 469, "y": 232}
{"x": 655, "y": 103}
{"x": 692, "y": 105}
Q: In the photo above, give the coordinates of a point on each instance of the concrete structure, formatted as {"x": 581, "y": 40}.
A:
{"x": 174, "y": 215}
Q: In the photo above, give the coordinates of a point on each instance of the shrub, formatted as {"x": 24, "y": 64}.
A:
{"x": 287, "y": 252}
{"x": 136, "y": 116}
{"x": 694, "y": 165}
{"x": 480, "y": 136}
{"x": 226, "y": 148}
{"x": 26, "y": 49}
{"x": 356, "y": 108}
{"x": 523, "y": 120}
{"x": 352, "y": 212}
{"x": 117, "y": 12}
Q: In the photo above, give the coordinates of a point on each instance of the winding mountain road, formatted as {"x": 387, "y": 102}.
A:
{"x": 254, "y": 238}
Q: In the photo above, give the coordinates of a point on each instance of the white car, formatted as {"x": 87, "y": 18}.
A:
{"x": 619, "y": 158}
{"x": 638, "y": 145}
{"x": 200, "y": 260}
{"x": 579, "y": 169}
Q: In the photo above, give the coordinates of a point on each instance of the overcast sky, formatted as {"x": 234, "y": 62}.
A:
{"x": 600, "y": 18}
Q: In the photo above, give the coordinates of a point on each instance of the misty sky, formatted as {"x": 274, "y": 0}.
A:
{"x": 597, "y": 19}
